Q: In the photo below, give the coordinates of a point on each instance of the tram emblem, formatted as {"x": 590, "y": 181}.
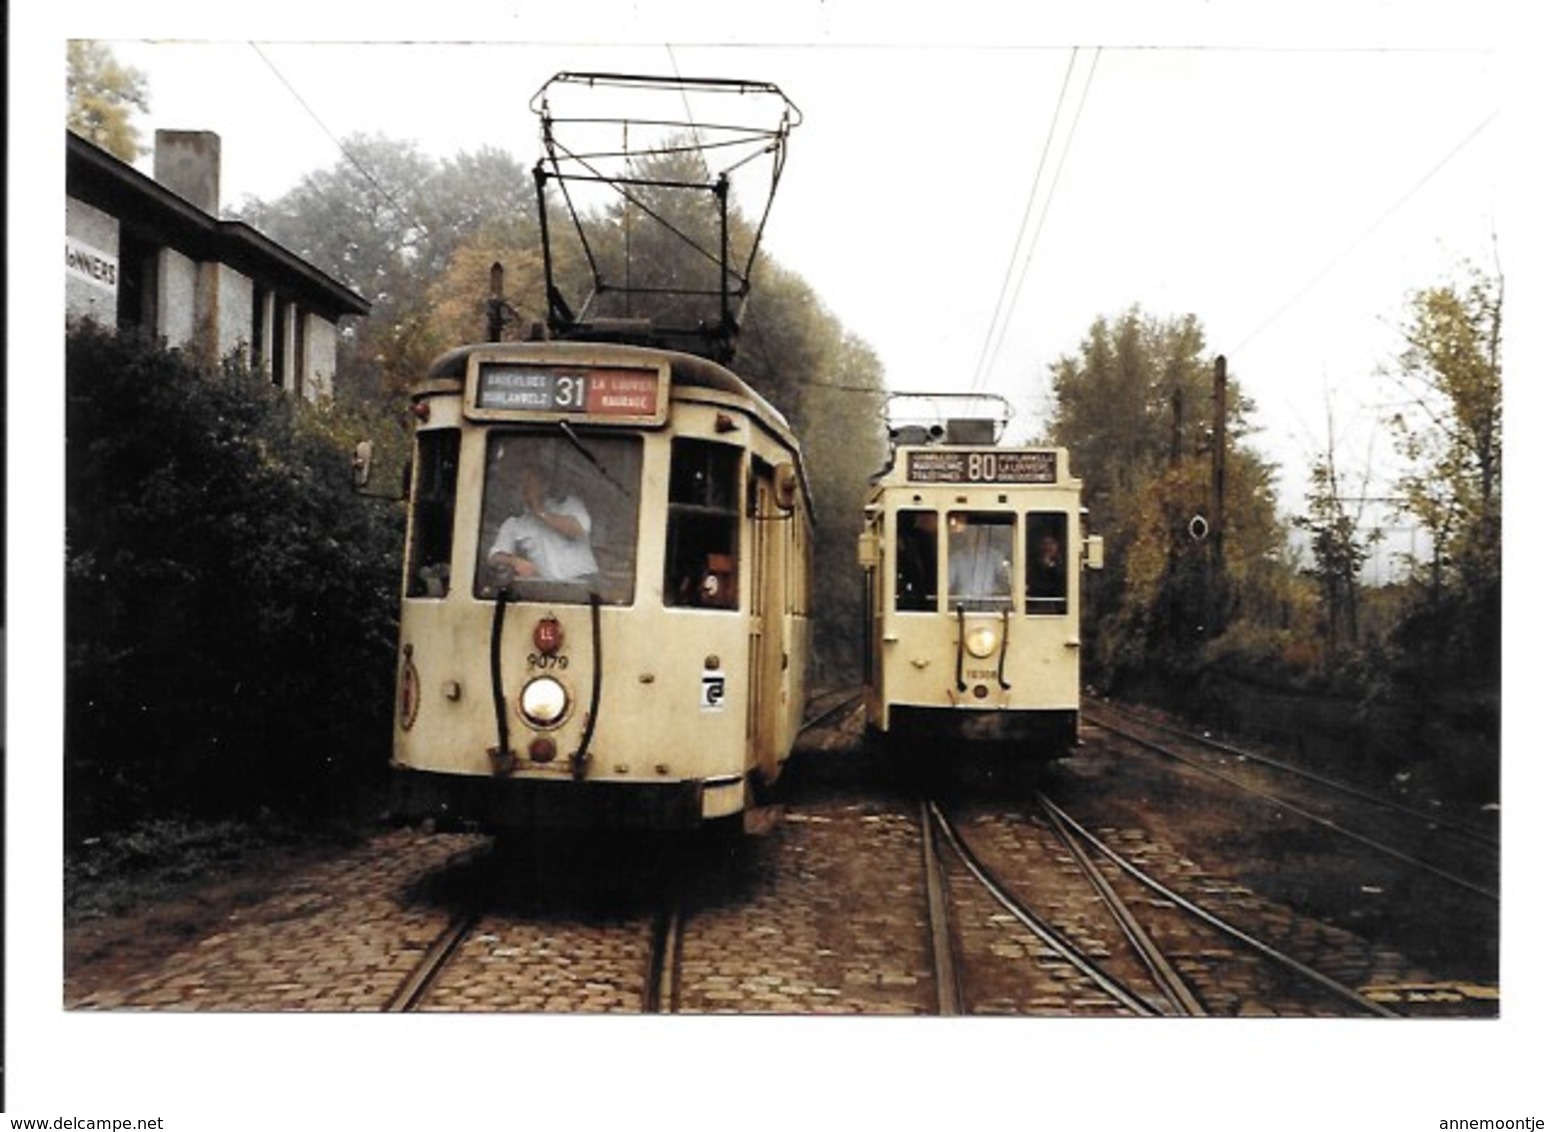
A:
{"x": 712, "y": 690}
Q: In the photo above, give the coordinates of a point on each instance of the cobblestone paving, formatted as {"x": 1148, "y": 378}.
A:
{"x": 821, "y": 911}
{"x": 828, "y": 918}
{"x": 337, "y": 937}
{"x": 575, "y": 966}
{"x": 1006, "y": 969}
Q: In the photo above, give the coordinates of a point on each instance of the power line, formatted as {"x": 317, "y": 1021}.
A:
{"x": 978, "y": 376}
{"x": 1058, "y": 173}
{"x": 1387, "y": 214}
{"x": 349, "y": 156}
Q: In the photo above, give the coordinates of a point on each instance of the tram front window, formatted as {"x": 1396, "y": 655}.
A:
{"x": 981, "y": 548}
{"x": 559, "y": 518}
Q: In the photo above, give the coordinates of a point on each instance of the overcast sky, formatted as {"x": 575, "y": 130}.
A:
{"x": 1287, "y": 177}
{"x": 969, "y": 200}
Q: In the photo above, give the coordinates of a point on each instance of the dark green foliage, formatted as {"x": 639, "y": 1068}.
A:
{"x": 230, "y": 602}
{"x": 1134, "y": 406}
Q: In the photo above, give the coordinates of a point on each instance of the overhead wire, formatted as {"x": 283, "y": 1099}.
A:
{"x": 346, "y": 153}
{"x": 1387, "y": 214}
{"x": 978, "y": 376}
{"x": 1047, "y": 203}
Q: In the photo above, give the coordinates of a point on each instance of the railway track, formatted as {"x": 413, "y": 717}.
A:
{"x": 1076, "y": 834}
{"x": 1417, "y": 839}
{"x": 856, "y": 898}
{"x": 939, "y": 830}
{"x": 524, "y": 937}
{"x": 1140, "y": 978}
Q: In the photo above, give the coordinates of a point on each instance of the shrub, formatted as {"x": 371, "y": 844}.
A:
{"x": 230, "y": 601}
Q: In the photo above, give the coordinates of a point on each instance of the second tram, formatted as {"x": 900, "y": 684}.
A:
{"x": 972, "y": 555}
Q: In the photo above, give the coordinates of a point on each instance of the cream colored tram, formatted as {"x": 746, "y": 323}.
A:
{"x": 972, "y": 556}
{"x": 665, "y": 687}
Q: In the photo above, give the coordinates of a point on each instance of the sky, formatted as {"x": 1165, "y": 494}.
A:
{"x": 1286, "y": 173}
{"x": 969, "y": 202}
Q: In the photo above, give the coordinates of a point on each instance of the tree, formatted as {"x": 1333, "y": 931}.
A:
{"x": 100, "y": 95}
{"x": 1451, "y": 432}
{"x": 388, "y": 220}
{"x": 1339, "y": 550}
{"x": 1135, "y": 409}
{"x": 1451, "y": 435}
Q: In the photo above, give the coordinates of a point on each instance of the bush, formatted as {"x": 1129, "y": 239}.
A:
{"x": 230, "y": 601}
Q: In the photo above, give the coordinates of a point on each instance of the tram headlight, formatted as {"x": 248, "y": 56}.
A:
{"x": 981, "y": 640}
{"x": 543, "y": 702}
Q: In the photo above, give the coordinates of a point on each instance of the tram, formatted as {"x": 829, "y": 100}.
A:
{"x": 606, "y": 591}
{"x": 972, "y": 555}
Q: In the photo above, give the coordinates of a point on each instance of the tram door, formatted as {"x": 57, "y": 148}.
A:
{"x": 765, "y": 723}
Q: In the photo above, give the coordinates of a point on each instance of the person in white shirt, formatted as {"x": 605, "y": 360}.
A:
{"x": 979, "y": 563}
{"x": 549, "y": 539}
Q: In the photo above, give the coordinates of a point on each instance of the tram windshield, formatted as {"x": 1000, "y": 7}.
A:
{"x": 559, "y": 517}
{"x": 981, "y": 549}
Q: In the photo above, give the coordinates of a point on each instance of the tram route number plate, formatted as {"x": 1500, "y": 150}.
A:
{"x": 972, "y": 465}
{"x": 586, "y": 391}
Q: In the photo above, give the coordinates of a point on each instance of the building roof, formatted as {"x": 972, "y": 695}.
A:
{"x": 96, "y": 177}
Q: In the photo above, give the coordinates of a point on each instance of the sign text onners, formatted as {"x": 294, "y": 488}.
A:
{"x": 91, "y": 265}
{"x": 981, "y": 465}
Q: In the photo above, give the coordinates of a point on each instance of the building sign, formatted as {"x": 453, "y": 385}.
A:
{"x": 614, "y": 393}
{"x": 90, "y": 265}
{"x": 981, "y": 465}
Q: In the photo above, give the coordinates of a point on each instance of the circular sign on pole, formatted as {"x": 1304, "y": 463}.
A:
{"x": 1198, "y": 528}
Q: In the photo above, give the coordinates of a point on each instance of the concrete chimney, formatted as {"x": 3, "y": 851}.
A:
{"x": 189, "y": 163}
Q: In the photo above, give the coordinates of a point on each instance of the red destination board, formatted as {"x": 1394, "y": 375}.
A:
{"x": 622, "y": 393}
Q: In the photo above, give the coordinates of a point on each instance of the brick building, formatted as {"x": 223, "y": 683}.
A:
{"x": 151, "y": 253}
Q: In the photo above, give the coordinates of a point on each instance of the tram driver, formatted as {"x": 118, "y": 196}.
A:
{"x": 548, "y": 539}
{"x": 979, "y": 559}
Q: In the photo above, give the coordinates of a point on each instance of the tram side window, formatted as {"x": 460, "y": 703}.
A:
{"x": 701, "y": 558}
{"x": 1047, "y": 570}
{"x": 917, "y": 560}
{"x": 982, "y": 545}
{"x": 432, "y": 513}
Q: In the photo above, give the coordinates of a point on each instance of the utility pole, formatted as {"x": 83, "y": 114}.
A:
{"x": 1217, "y": 517}
{"x": 1217, "y": 502}
{"x": 1176, "y": 452}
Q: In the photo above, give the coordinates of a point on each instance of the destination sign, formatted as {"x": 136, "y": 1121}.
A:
{"x": 975, "y": 465}
{"x": 586, "y": 391}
